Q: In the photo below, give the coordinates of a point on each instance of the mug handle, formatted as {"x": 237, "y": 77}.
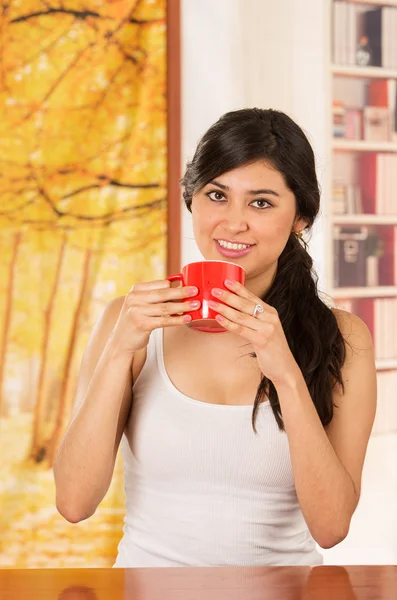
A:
{"x": 177, "y": 277}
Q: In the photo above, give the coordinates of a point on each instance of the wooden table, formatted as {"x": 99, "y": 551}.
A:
{"x": 216, "y": 583}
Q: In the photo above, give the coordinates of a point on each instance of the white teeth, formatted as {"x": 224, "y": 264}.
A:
{"x": 231, "y": 246}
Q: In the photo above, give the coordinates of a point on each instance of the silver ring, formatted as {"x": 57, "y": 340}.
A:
{"x": 257, "y": 310}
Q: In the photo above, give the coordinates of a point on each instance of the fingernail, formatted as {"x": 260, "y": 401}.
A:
{"x": 192, "y": 291}
{"x": 212, "y": 304}
{"x": 219, "y": 318}
{"x": 229, "y": 282}
{"x": 187, "y": 318}
{"x": 195, "y": 304}
{"x": 217, "y": 292}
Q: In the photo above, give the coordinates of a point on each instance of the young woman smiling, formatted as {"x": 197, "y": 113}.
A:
{"x": 244, "y": 448}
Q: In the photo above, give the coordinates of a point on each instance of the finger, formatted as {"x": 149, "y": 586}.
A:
{"x": 243, "y": 304}
{"x": 148, "y": 323}
{"x": 167, "y": 294}
{"x": 247, "y": 333}
{"x": 170, "y": 308}
{"x": 242, "y": 291}
{"x": 235, "y": 316}
{"x": 170, "y": 321}
{"x": 158, "y": 284}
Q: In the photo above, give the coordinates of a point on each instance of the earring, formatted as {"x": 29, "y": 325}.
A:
{"x": 298, "y": 234}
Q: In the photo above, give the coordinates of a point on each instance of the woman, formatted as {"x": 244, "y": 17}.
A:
{"x": 204, "y": 485}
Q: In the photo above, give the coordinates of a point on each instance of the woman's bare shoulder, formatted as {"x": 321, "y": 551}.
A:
{"x": 354, "y": 331}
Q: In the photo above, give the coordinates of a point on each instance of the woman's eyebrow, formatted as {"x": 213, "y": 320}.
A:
{"x": 223, "y": 187}
{"x": 251, "y": 192}
{"x": 267, "y": 191}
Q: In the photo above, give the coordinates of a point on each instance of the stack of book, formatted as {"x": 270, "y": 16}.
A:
{"x": 379, "y": 314}
{"x": 375, "y": 122}
{"x": 346, "y": 198}
{"x": 378, "y": 177}
{"x": 338, "y": 119}
{"x": 345, "y": 34}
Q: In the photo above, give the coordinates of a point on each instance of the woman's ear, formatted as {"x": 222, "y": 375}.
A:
{"x": 299, "y": 225}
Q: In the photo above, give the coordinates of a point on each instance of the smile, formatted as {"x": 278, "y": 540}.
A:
{"x": 233, "y": 245}
{"x": 233, "y": 249}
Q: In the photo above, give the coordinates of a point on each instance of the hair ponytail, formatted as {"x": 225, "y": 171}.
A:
{"x": 310, "y": 328}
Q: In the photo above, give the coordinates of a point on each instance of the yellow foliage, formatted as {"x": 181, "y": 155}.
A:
{"x": 82, "y": 216}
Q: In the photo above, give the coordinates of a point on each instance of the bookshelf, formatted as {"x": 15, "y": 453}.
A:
{"x": 364, "y": 72}
{"x": 360, "y": 219}
{"x": 363, "y": 146}
{"x": 361, "y": 223}
{"x": 374, "y": 2}
{"x": 363, "y": 292}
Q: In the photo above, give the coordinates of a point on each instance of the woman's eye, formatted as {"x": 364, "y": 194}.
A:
{"x": 215, "y": 195}
{"x": 261, "y": 203}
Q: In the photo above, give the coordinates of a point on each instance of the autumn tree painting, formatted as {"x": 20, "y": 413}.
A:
{"x": 82, "y": 218}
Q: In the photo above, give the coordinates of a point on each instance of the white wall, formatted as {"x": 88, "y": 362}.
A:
{"x": 211, "y": 80}
{"x": 238, "y": 53}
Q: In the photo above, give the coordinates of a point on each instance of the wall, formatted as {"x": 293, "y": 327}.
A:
{"x": 211, "y": 79}
{"x": 240, "y": 53}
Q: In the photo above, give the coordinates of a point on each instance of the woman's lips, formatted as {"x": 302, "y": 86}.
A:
{"x": 229, "y": 253}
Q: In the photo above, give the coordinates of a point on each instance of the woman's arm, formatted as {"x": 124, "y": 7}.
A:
{"x": 85, "y": 461}
{"x": 327, "y": 464}
{"x": 86, "y": 457}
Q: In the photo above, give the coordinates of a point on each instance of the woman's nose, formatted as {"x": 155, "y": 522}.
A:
{"x": 235, "y": 220}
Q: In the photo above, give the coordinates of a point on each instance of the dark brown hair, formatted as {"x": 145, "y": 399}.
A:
{"x": 311, "y": 329}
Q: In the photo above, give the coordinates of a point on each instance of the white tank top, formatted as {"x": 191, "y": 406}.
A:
{"x": 202, "y": 489}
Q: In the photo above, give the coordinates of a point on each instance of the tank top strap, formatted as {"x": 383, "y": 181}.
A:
{"x": 154, "y": 345}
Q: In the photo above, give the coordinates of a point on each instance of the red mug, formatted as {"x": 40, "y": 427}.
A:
{"x": 206, "y": 275}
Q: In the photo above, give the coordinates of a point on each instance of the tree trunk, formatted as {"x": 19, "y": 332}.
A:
{"x": 7, "y": 318}
{"x": 63, "y": 401}
{"x": 37, "y": 450}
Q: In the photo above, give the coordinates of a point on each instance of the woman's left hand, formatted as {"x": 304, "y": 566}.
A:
{"x": 264, "y": 331}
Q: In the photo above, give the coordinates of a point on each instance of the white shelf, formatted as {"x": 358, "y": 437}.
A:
{"x": 363, "y": 146}
{"x": 364, "y": 292}
{"x": 386, "y": 364}
{"x": 364, "y": 219}
{"x": 365, "y": 72}
{"x": 374, "y": 2}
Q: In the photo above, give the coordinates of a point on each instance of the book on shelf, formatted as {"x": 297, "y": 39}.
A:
{"x": 354, "y": 124}
{"x": 383, "y": 93}
{"x": 365, "y": 256}
{"x": 345, "y": 34}
{"x": 387, "y": 255}
{"x": 380, "y": 27}
{"x": 349, "y": 256}
{"x": 379, "y": 314}
{"x": 338, "y": 119}
{"x": 347, "y": 122}
{"x": 376, "y": 120}
{"x": 378, "y": 178}
{"x": 346, "y": 198}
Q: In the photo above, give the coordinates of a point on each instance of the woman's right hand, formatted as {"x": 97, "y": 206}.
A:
{"x": 149, "y": 306}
